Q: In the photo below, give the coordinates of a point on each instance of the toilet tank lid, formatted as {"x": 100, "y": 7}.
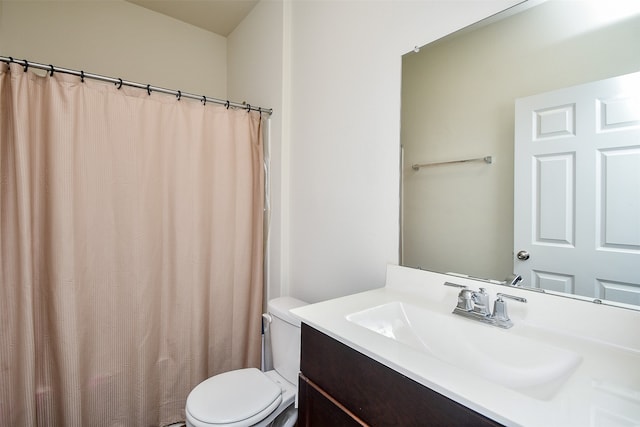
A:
{"x": 280, "y": 307}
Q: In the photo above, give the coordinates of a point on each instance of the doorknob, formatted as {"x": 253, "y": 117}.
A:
{"x": 523, "y": 255}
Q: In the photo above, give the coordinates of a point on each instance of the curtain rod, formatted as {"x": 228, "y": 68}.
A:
{"x": 119, "y": 82}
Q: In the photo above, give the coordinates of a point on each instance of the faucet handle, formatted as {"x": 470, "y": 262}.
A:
{"x": 500, "y": 314}
{"x": 455, "y": 285}
{"x": 513, "y": 297}
{"x": 465, "y": 300}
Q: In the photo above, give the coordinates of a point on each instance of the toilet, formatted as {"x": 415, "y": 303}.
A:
{"x": 251, "y": 397}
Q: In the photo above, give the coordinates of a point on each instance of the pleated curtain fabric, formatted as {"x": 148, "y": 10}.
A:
{"x": 131, "y": 250}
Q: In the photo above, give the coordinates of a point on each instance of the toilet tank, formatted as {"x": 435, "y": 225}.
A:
{"x": 285, "y": 337}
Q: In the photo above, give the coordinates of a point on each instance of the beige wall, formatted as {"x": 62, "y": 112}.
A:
{"x": 458, "y": 102}
{"x": 117, "y": 39}
{"x": 256, "y": 75}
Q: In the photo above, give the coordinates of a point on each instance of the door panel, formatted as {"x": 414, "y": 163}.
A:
{"x": 554, "y": 191}
{"x": 619, "y": 210}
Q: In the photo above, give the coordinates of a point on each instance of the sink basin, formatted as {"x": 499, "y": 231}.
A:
{"x": 525, "y": 365}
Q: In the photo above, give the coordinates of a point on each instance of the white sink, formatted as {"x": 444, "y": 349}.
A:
{"x": 525, "y": 365}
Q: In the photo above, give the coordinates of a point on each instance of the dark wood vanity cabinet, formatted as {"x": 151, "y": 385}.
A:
{"x": 342, "y": 387}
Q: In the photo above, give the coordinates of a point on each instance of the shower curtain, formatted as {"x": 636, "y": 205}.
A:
{"x": 131, "y": 250}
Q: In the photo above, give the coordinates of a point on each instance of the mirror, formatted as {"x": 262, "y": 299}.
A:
{"x": 458, "y": 97}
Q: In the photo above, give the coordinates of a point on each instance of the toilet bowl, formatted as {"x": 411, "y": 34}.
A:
{"x": 250, "y": 397}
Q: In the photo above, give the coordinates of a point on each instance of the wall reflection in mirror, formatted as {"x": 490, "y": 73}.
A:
{"x": 458, "y": 103}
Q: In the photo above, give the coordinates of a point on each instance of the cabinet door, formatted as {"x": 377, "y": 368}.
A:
{"x": 373, "y": 392}
{"x": 317, "y": 409}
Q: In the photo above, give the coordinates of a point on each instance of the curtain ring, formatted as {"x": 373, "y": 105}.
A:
{"x": 50, "y": 70}
{"x": 226, "y": 104}
{"x": 149, "y": 90}
{"x": 179, "y": 95}
{"x": 26, "y": 65}
{"x": 119, "y": 84}
{"x": 11, "y": 60}
{"x": 82, "y": 76}
{"x": 248, "y": 108}
{"x": 204, "y": 100}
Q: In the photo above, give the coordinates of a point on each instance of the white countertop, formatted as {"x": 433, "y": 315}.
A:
{"x": 604, "y": 389}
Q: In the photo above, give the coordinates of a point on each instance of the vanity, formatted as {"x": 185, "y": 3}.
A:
{"x": 399, "y": 356}
{"x": 339, "y": 386}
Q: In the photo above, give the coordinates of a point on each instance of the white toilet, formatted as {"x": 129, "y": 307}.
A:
{"x": 250, "y": 397}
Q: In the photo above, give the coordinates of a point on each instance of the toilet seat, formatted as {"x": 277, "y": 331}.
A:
{"x": 237, "y": 398}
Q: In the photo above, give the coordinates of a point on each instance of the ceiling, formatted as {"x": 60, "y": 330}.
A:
{"x": 218, "y": 16}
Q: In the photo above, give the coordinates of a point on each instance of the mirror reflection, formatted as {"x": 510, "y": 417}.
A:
{"x": 458, "y": 103}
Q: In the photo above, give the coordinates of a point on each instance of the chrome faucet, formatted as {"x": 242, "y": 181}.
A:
{"x": 475, "y": 305}
{"x": 481, "y": 302}
{"x": 512, "y": 280}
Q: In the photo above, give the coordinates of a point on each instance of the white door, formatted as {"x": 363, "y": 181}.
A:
{"x": 577, "y": 190}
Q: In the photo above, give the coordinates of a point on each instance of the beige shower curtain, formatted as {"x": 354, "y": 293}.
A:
{"x": 130, "y": 253}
